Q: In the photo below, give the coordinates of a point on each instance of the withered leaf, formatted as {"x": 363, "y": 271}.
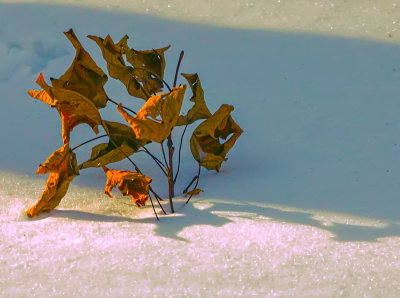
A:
{"x": 117, "y": 69}
{"x": 193, "y": 192}
{"x": 83, "y": 76}
{"x": 199, "y": 109}
{"x": 130, "y": 183}
{"x": 158, "y": 116}
{"x": 63, "y": 168}
{"x": 205, "y": 142}
{"x": 106, "y": 153}
{"x": 73, "y": 107}
{"x": 149, "y": 64}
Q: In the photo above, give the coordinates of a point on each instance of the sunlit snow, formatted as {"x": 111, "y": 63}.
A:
{"x": 307, "y": 204}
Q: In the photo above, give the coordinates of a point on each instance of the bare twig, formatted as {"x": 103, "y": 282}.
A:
{"x": 88, "y": 141}
{"x": 128, "y": 109}
{"x": 179, "y": 154}
{"x": 131, "y": 161}
{"x": 163, "y": 152}
{"x": 157, "y": 161}
{"x": 171, "y": 191}
{"x": 190, "y": 184}
{"x": 197, "y": 182}
{"x": 153, "y": 207}
{"x": 178, "y": 66}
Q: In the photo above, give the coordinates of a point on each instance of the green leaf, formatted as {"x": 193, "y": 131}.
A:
{"x": 205, "y": 142}
{"x": 117, "y": 69}
{"x": 83, "y": 76}
{"x": 106, "y": 153}
{"x": 199, "y": 109}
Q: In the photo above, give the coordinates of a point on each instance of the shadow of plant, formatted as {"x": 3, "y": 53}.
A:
{"x": 220, "y": 213}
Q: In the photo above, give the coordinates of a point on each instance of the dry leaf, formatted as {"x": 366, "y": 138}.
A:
{"x": 130, "y": 183}
{"x": 193, "y": 192}
{"x": 199, "y": 109}
{"x": 83, "y": 76}
{"x": 149, "y": 66}
{"x": 106, "y": 153}
{"x": 158, "y": 116}
{"x": 205, "y": 142}
{"x": 63, "y": 168}
{"x": 73, "y": 107}
{"x": 117, "y": 69}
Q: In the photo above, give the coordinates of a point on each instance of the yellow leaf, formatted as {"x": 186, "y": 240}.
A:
{"x": 42, "y": 96}
{"x": 199, "y": 109}
{"x": 149, "y": 66}
{"x": 63, "y": 168}
{"x": 117, "y": 69}
{"x": 158, "y": 116}
{"x": 205, "y": 142}
{"x": 83, "y": 76}
{"x": 130, "y": 183}
{"x": 125, "y": 140}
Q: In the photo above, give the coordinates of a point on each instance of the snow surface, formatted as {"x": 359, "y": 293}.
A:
{"x": 307, "y": 205}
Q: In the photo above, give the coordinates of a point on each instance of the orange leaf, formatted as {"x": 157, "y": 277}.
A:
{"x": 73, "y": 107}
{"x": 147, "y": 124}
{"x": 63, "y": 168}
{"x": 83, "y": 76}
{"x": 130, "y": 183}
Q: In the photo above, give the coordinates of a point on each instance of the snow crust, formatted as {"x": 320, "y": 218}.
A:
{"x": 307, "y": 204}
{"x": 96, "y": 246}
{"x": 356, "y": 18}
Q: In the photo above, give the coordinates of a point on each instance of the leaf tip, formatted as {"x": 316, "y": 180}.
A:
{"x": 105, "y": 169}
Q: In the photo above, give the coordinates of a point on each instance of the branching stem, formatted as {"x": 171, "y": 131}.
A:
{"x": 157, "y": 161}
{"x": 132, "y": 162}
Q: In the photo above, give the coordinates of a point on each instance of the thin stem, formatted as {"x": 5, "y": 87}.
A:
{"x": 88, "y": 141}
{"x": 154, "y": 209}
{"x": 131, "y": 161}
{"x": 190, "y": 184}
{"x": 197, "y": 182}
{"x": 171, "y": 172}
{"x": 179, "y": 154}
{"x": 178, "y": 66}
{"x": 165, "y": 158}
{"x": 128, "y": 109}
{"x": 156, "y": 160}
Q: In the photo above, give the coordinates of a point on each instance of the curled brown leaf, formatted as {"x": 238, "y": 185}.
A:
{"x": 129, "y": 183}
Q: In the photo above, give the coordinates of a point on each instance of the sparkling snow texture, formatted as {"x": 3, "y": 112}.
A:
{"x": 307, "y": 204}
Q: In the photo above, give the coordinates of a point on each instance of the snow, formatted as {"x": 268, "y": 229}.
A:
{"x": 307, "y": 204}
